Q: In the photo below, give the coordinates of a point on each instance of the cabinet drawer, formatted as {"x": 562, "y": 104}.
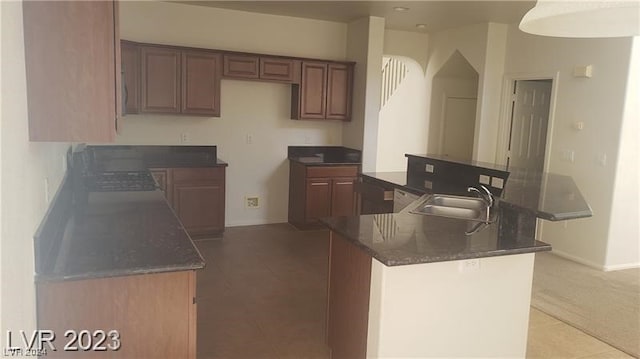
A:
{"x": 197, "y": 174}
{"x": 332, "y": 171}
{"x": 240, "y": 66}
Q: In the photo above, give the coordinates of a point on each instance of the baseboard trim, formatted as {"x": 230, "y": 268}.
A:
{"x": 621, "y": 266}
{"x": 578, "y": 260}
{"x": 254, "y": 222}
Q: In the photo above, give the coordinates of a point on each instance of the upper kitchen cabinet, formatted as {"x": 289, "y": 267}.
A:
{"x": 201, "y": 83}
{"x": 324, "y": 92}
{"x": 179, "y": 81}
{"x": 339, "y": 80}
{"x": 160, "y": 79}
{"x": 131, "y": 76}
{"x": 72, "y": 69}
{"x": 257, "y": 67}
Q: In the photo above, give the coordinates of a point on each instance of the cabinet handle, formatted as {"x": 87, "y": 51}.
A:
{"x": 320, "y": 184}
{"x": 344, "y": 182}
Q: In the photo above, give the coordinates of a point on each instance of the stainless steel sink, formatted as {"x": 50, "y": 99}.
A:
{"x": 467, "y": 208}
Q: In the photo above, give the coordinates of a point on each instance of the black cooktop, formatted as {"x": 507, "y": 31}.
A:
{"x": 120, "y": 181}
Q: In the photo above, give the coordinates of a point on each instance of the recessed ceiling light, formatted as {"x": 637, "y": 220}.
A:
{"x": 400, "y": 8}
{"x": 421, "y": 26}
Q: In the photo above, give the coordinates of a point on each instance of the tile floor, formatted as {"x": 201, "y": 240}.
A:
{"x": 263, "y": 292}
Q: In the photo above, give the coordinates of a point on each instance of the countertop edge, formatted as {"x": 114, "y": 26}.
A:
{"x": 118, "y": 273}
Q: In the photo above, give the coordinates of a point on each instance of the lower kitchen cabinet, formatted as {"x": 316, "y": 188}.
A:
{"x": 197, "y": 195}
{"x": 320, "y": 191}
{"x": 154, "y": 315}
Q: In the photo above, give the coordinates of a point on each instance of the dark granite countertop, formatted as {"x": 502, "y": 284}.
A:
{"x": 324, "y": 155}
{"x": 402, "y": 238}
{"x": 122, "y": 233}
{"x": 106, "y": 233}
{"x": 106, "y": 158}
{"x": 546, "y": 195}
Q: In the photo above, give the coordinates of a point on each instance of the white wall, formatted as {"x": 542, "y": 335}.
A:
{"x": 432, "y": 310}
{"x": 483, "y": 47}
{"x": 260, "y": 109}
{"x": 364, "y": 45}
{"x": 599, "y": 103}
{"x": 402, "y": 125}
{"x": 623, "y": 246}
{"x": 24, "y": 168}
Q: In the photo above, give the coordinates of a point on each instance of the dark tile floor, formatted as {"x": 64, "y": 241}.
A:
{"x": 263, "y": 294}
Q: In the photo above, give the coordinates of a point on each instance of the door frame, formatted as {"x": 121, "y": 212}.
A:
{"x": 504, "y": 127}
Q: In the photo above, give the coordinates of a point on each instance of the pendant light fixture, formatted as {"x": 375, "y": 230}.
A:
{"x": 588, "y": 18}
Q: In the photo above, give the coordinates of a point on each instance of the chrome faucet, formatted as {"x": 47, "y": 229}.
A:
{"x": 484, "y": 194}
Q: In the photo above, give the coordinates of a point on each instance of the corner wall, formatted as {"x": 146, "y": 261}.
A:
{"x": 30, "y": 174}
{"x": 365, "y": 39}
{"x": 252, "y": 108}
{"x": 402, "y": 123}
{"x": 599, "y": 103}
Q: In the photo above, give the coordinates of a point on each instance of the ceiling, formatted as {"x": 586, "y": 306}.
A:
{"x": 435, "y": 15}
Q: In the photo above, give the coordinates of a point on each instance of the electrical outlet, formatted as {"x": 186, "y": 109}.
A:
{"x": 568, "y": 155}
{"x": 184, "y": 137}
{"x": 428, "y": 168}
{"x": 484, "y": 179}
{"x": 469, "y": 265}
{"x": 497, "y": 182}
{"x": 252, "y": 202}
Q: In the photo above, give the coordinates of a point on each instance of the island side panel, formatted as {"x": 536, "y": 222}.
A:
{"x": 155, "y": 314}
{"x": 348, "y": 299}
{"x": 441, "y": 310}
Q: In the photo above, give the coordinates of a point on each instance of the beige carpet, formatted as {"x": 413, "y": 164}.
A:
{"x": 605, "y": 305}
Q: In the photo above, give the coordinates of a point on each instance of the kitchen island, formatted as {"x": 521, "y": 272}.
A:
{"x": 111, "y": 255}
{"x": 410, "y": 285}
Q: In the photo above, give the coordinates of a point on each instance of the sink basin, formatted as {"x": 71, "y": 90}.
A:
{"x": 466, "y": 208}
{"x": 456, "y": 201}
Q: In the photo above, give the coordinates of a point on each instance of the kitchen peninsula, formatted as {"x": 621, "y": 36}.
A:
{"x": 111, "y": 246}
{"x": 410, "y": 285}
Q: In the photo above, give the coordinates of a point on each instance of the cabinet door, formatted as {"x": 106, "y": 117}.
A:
{"x": 241, "y": 66}
{"x": 197, "y": 206}
{"x": 339, "y": 80}
{"x": 131, "y": 76}
{"x": 318, "y": 195}
{"x": 313, "y": 90}
{"x": 343, "y": 197}
{"x": 160, "y": 80}
{"x": 277, "y": 69}
{"x": 201, "y": 83}
{"x": 70, "y": 62}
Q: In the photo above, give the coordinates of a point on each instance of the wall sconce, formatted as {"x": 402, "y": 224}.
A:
{"x": 588, "y": 19}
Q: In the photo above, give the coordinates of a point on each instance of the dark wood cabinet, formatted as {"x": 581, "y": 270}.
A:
{"x": 279, "y": 69}
{"x": 320, "y": 191}
{"x": 130, "y": 54}
{"x": 72, "y": 65}
{"x": 141, "y": 307}
{"x": 324, "y": 92}
{"x": 343, "y": 198}
{"x": 255, "y": 67}
{"x": 313, "y": 90}
{"x": 339, "y": 82}
{"x": 201, "y": 83}
{"x": 197, "y": 195}
{"x": 318, "y": 198}
{"x": 241, "y": 66}
{"x": 348, "y": 292}
{"x": 160, "y": 80}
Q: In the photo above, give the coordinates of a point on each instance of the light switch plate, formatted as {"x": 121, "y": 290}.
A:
{"x": 484, "y": 179}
